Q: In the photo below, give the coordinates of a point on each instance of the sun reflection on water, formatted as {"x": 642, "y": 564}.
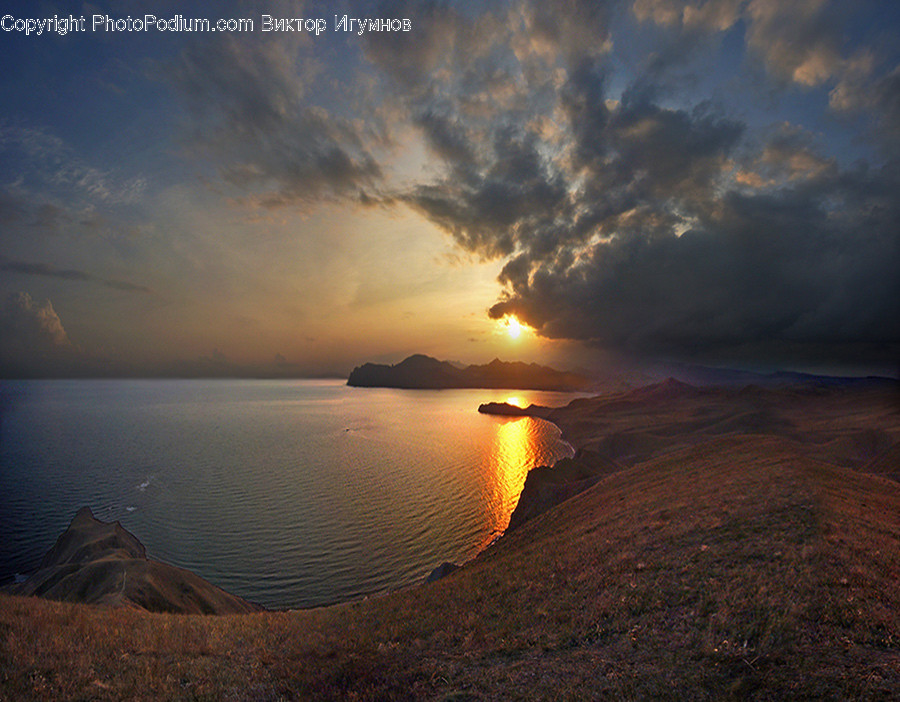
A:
{"x": 513, "y": 453}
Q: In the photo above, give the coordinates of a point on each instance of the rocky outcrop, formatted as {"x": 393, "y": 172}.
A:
{"x": 546, "y": 487}
{"x": 102, "y": 563}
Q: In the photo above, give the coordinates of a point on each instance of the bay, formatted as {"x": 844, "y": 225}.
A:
{"x": 287, "y": 493}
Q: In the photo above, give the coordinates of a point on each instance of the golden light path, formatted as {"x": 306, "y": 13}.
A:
{"x": 513, "y": 454}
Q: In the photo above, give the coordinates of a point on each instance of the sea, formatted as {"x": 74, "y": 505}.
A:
{"x": 289, "y": 493}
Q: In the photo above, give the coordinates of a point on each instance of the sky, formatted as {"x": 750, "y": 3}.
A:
{"x": 711, "y": 182}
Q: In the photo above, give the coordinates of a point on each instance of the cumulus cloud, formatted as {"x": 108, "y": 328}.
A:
{"x": 801, "y": 43}
{"x": 650, "y": 228}
{"x": 798, "y": 41}
{"x": 32, "y": 338}
{"x": 625, "y": 215}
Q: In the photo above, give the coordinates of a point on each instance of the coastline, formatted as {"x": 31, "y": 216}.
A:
{"x": 749, "y": 548}
{"x": 147, "y": 479}
{"x": 446, "y": 568}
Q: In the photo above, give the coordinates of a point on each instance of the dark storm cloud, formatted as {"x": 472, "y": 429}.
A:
{"x": 474, "y": 86}
{"x": 446, "y": 136}
{"x": 643, "y": 218}
{"x": 657, "y": 230}
{"x": 758, "y": 268}
{"x": 488, "y": 211}
{"x": 621, "y": 169}
{"x": 46, "y": 270}
{"x": 642, "y": 149}
{"x": 248, "y": 101}
{"x": 810, "y": 263}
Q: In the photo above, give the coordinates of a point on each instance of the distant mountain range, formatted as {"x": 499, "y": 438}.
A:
{"x": 704, "y": 376}
{"x": 426, "y": 373}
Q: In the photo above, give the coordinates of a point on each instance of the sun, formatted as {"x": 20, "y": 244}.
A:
{"x": 513, "y": 327}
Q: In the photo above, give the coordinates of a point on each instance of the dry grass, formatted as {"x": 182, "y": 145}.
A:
{"x": 734, "y": 567}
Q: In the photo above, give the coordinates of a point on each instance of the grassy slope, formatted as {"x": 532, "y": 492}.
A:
{"x": 738, "y": 567}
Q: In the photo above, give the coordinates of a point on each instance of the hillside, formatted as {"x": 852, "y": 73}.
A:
{"x": 102, "y": 563}
{"x": 739, "y": 550}
{"x": 421, "y": 372}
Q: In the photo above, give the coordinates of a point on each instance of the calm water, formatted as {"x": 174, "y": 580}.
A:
{"x": 288, "y": 493}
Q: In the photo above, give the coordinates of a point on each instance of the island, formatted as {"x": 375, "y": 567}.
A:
{"x": 420, "y": 372}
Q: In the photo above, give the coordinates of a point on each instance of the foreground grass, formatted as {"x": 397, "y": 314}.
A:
{"x": 734, "y": 569}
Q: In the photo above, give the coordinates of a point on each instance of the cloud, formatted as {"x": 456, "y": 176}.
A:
{"x": 488, "y": 210}
{"x": 804, "y": 268}
{"x": 758, "y": 268}
{"x": 803, "y": 43}
{"x": 799, "y": 41}
{"x": 521, "y": 193}
{"x": 252, "y": 112}
{"x": 655, "y": 229}
{"x": 790, "y": 154}
{"x": 46, "y": 163}
{"x": 709, "y": 15}
{"x": 879, "y": 97}
{"x": 33, "y": 341}
{"x": 46, "y": 270}
{"x": 627, "y": 211}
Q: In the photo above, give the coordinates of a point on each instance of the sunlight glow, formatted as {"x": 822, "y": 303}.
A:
{"x": 513, "y": 454}
{"x": 513, "y": 327}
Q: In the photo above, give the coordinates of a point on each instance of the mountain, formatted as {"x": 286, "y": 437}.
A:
{"x": 731, "y": 377}
{"x": 102, "y": 563}
{"x": 426, "y": 373}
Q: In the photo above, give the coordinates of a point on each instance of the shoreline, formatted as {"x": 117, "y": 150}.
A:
{"x": 106, "y": 509}
{"x": 491, "y": 543}
{"x": 750, "y": 548}
{"x": 595, "y": 455}
{"x": 573, "y": 450}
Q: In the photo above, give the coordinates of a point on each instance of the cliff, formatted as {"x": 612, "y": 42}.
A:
{"x": 617, "y": 431}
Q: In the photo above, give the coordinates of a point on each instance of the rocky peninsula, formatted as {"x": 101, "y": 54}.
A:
{"x": 617, "y": 431}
